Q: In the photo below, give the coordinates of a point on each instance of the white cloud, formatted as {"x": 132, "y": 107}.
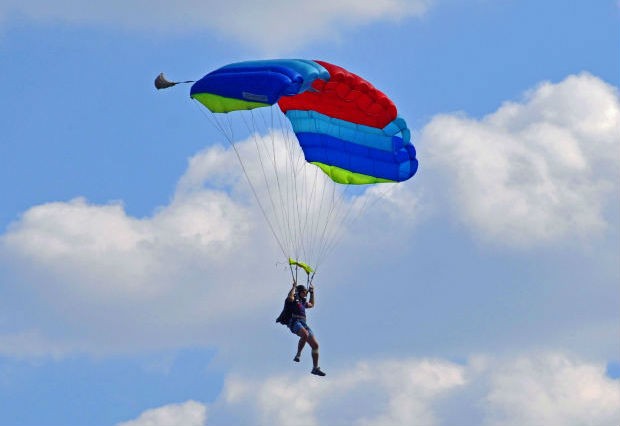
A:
{"x": 124, "y": 255}
{"x": 552, "y": 389}
{"x": 388, "y": 392}
{"x": 536, "y": 171}
{"x": 532, "y": 389}
{"x": 190, "y": 413}
{"x": 277, "y": 25}
{"x": 101, "y": 280}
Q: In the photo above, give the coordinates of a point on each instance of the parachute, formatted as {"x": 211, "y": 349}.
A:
{"x": 340, "y": 133}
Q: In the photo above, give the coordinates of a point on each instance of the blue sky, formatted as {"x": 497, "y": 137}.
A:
{"x": 137, "y": 289}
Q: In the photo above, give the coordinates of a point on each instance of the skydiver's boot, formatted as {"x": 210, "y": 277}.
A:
{"x": 317, "y": 371}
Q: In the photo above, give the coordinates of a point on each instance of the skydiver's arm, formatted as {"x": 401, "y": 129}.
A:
{"x": 291, "y": 294}
{"x": 311, "y": 301}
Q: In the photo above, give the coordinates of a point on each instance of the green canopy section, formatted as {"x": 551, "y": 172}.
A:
{"x": 302, "y": 265}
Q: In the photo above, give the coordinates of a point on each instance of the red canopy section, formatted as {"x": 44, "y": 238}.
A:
{"x": 345, "y": 96}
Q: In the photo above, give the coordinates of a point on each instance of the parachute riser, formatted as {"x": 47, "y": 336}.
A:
{"x": 310, "y": 278}
{"x": 306, "y": 268}
{"x": 294, "y": 273}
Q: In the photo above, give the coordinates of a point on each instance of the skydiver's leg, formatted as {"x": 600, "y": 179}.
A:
{"x": 303, "y": 338}
{"x": 315, "y": 356}
{"x": 314, "y": 344}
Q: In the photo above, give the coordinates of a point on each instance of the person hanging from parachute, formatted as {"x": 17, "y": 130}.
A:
{"x": 293, "y": 315}
{"x": 348, "y": 134}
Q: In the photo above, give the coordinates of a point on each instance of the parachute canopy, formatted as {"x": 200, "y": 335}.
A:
{"x": 344, "y": 125}
{"x": 314, "y": 171}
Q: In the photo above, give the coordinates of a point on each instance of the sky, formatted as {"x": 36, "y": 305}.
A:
{"x": 139, "y": 282}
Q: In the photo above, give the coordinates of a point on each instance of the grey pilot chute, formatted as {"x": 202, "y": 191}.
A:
{"x": 161, "y": 82}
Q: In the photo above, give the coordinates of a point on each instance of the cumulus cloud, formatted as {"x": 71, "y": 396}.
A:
{"x": 98, "y": 279}
{"x": 280, "y": 25}
{"x": 95, "y": 277}
{"x": 92, "y": 270}
{"x": 190, "y": 413}
{"x": 527, "y": 390}
{"x": 387, "y": 392}
{"x": 551, "y": 389}
{"x": 534, "y": 171}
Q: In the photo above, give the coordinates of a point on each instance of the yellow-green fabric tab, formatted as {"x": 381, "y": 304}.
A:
{"x": 217, "y": 103}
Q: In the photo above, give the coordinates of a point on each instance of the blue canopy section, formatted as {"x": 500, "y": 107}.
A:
{"x": 396, "y": 165}
{"x": 261, "y": 81}
{"x": 382, "y": 153}
{"x": 373, "y": 137}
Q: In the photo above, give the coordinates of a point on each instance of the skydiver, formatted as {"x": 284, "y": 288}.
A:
{"x": 296, "y": 305}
